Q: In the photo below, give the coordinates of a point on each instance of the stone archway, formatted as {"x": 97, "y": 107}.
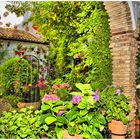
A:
{"x": 124, "y": 47}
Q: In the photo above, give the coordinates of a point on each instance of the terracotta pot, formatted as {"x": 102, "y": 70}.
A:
{"x": 32, "y": 95}
{"x": 67, "y": 136}
{"x": 118, "y": 129}
{"x": 137, "y": 128}
{"x": 36, "y": 105}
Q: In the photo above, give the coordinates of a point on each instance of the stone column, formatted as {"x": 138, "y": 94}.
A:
{"x": 124, "y": 48}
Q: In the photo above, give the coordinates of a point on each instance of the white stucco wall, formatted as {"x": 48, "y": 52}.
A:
{"x": 11, "y": 46}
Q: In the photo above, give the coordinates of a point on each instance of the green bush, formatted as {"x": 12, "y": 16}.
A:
{"x": 114, "y": 104}
{"x": 20, "y": 125}
{"x": 86, "y": 114}
{"x": 14, "y": 73}
{"x": 12, "y": 99}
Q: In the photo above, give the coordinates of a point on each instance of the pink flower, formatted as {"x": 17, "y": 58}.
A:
{"x": 76, "y": 99}
{"x": 50, "y": 98}
{"x": 118, "y": 92}
{"x": 60, "y": 112}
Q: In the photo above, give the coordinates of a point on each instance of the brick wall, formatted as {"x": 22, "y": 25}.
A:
{"x": 124, "y": 47}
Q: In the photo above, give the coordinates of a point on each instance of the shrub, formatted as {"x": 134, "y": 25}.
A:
{"x": 114, "y": 104}
{"x": 14, "y": 74}
{"x": 20, "y": 125}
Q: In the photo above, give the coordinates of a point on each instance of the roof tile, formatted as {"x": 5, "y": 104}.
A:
{"x": 11, "y": 33}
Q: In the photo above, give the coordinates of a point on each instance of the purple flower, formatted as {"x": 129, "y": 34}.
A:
{"x": 76, "y": 99}
{"x": 118, "y": 92}
{"x": 96, "y": 95}
{"x": 60, "y": 112}
{"x": 50, "y": 98}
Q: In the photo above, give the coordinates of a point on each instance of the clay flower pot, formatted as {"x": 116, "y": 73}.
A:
{"x": 137, "y": 128}
{"x": 67, "y": 136}
{"x": 118, "y": 129}
{"x": 35, "y": 105}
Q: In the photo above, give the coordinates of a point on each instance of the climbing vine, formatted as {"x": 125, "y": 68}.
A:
{"x": 79, "y": 40}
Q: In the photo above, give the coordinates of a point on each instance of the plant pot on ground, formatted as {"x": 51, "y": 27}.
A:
{"x": 67, "y": 136}
{"x": 116, "y": 110}
{"x": 32, "y": 95}
{"x": 118, "y": 129}
{"x": 137, "y": 123}
{"x": 137, "y": 128}
{"x": 31, "y": 98}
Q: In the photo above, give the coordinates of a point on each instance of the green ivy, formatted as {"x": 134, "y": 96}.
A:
{"x": 75, "y": 28}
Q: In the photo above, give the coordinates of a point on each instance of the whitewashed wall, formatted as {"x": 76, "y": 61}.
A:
{"x": 11, "y": 46}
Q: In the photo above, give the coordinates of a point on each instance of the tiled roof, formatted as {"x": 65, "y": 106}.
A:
{"x": 18, "y": 35}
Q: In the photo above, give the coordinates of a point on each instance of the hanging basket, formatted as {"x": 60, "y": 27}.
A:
{"x": 117, "y": 129}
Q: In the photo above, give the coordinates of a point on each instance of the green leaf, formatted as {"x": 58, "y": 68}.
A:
{"x": 45, "y": 127}
{"x": 101, "y": 128}
{"x": 81, "y": 120}
{"x": 13, "y": 128}
{"x": 82, "y": 105}
{"x": 77, "y": 93}
{"x": 68, "y": 105}
{"x": 45, "y": 107}
{"x": 71, "y": 124}
{"x": 56, "y": 109}
{"x": 89, "y": 100}
{"x": 71, "y": 130}
{"x": 83, "y": 112}
{"x": 97, "y": 124}
{"x": 62, "y": 120}
{"x": 86, "y": 135}
{"x": 98, "y": 135}
{"x": 22, "y": 135}
{"x": 101, "y": 119}
{"x": 85, "y": 88}
{"x": 43, "y": 117}
{"x": 49, "y": 120}
{"x": 32, "y": 120}
{"x": 57, "y": 103}
{"x": 71, "y": 115}
{"x": 59, "y": 132}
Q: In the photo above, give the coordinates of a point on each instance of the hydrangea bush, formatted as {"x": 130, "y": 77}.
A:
{"x": 86, "y": 114}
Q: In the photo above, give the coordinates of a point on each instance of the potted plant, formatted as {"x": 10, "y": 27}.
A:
{"x": 77, "y": 118}
{"x": 137, "y": 121}
{"x": 116, "y": 109}
{"x": 84, "y": 118}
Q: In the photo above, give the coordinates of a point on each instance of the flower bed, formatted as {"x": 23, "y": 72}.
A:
{"x": 85, "y": 114}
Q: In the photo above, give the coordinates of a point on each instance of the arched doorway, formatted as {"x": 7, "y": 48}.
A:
{"x": 124, "y": 46}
